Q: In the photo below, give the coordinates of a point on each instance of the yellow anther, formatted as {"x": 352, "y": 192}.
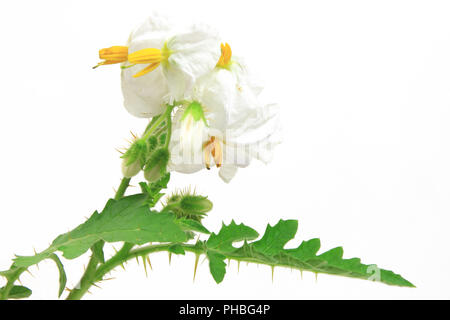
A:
{"x": 225, "y": 57}
{"x": 212, "y": 147}
{"x": 147, "y": 69}
{"x": 207, "y": 148}
{"x": 217, "y": 152}
{"x": 149, "y": 55}
{"x": 114, "y": 54}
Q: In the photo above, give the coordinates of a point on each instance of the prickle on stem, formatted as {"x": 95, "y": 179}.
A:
{"x": 197, "y": 256}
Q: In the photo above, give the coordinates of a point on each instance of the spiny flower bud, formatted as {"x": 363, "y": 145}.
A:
{"x": 156, "y": 165}
{"x": 131, "y": 170}
{"x": 191, "y": 206}
{"x": 133, "y": 158}
{"x": 194, "y": 203}
{"x": 137, "y": 151}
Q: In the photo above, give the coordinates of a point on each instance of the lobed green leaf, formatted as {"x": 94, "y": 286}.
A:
{"x": 128, "y": 219}
{"x": 270, "y": 250}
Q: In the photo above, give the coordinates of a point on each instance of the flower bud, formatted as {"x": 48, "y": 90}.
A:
{"x": 194, "y": 203}
{"x": 136, "y": 152}
{"x": 130, "y": 170}
{"x": 156, "y": 165}
{"x": 189, "y": 206}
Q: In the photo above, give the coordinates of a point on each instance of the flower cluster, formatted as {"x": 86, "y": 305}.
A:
{"x": 217, "y": 119}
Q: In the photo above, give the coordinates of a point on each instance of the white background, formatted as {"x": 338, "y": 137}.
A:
{"x": 364, "y": 92}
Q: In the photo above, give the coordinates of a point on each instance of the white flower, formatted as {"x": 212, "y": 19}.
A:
{"x": 231, "y": 126}
{"x": 143, "y": 95}
{"x": 172, "y": 61}
{"x": 193, "y": 53}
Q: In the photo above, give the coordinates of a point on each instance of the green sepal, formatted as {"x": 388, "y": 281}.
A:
{"x": 136, "y": 152}
{"x": 162, "y": 139}
{"x": 156, "y": 165}
{"x": 152, "y": 143}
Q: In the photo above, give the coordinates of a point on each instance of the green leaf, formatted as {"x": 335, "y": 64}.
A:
{"x": 270, "y": 250}
{"x": 62, "y": 274}
{"x": 177, "y": 249}
{"x": 193, "y": 225}
{"x": 216, "y": 265}
{"x": 19, "y": 292}
{"x": 223, "y": 241}
{"x": 128, "y": 219}
{"x": 153, "y": 190}
{"x": 276, "y": 237}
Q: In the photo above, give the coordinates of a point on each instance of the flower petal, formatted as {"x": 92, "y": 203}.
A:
{"x": 143, "y": 96}
{"x": 227, "y": 172}
{"x": 194, "y": 53}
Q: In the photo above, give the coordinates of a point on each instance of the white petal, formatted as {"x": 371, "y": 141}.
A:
{"x": 185, "y": 158}
{"x": 236, "y": 154}
{"x": 215, "y": 91}
{"x": 143, "y": 95}
{"x": 195, "y": 53}
{"x": 244, "y": 74}
{"x": 259, "y": 134}
{"x": 154, "y": 23}
{"x": 184, "y": 168}
{"x": 227, "y": 172}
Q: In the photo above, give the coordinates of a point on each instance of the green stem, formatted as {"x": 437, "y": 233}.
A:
{"x": 124, "y": 184}
{"x": 90, "y": 274}
{"x": 4, "y": 293}
{"x": 85, "y": 281}
{"x": 169, "y": 131}
{"x": 123, "y": 256}
{"x": 161, "y": 118}
{"x": 87, "y": 278}
{"x": 120, "y": 258}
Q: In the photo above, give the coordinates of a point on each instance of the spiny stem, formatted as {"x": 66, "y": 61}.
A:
{"x": 163, "y": 117}
{"x": 124, "y": 255}
{"x": 124, "y": 184}
{"x": 90, "y": 275}
{"x": 4, "y": 293}
{"x": 87, "y": 279}
{"x": 127, "y": 253}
